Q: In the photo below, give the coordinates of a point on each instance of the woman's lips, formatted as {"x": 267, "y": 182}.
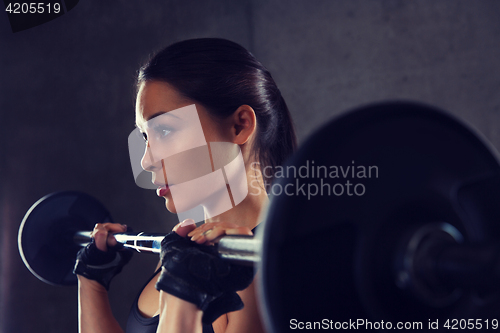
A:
{"x": 162, "y": 191}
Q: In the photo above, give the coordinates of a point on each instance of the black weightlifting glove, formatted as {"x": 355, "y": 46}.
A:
{"x": 101, "y": 266}
{"x": 196, "y": 274}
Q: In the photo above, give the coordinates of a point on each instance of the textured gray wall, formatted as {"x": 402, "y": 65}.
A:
{"x": 66, "y": 103}
{"x": 335, "y": 55}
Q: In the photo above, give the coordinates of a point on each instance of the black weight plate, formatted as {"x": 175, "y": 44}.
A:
{"x": 332, "y": 256}
{"x": 46, "y": 233}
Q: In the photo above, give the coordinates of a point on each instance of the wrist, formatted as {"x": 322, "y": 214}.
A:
{"x": 90, "y": 285}
{"x": 100, "y": 266}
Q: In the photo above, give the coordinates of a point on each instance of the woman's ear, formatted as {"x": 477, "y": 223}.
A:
{"x": 243, "y": 124}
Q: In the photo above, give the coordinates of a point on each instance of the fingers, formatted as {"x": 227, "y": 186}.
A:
{"x": 183, "y": 228}
{"x": 103, "y": 234}
{"x": 211, "y": 225}
{"x": 211, "y": 232}
{"x": 208, "y": 236}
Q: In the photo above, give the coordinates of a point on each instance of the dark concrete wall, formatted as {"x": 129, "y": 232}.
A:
{"x": 66, "y": 101}
{"x": 335, "y": 55}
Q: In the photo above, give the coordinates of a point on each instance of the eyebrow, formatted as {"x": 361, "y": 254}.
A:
{"x": 159, "y": 113}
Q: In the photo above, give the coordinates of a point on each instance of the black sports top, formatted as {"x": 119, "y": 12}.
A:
{"x": 136, "y": 323}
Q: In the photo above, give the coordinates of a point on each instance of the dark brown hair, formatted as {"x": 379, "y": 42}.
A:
{"x": 222, "y": 76}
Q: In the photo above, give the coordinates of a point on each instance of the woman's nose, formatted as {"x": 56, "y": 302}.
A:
{"x": 147, "y": 161}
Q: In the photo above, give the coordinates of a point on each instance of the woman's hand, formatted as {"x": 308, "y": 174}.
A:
{"x": 103, "y": 234}
{"x": 195, "y": 273}
{"x": 209, "y": 233}
{"x": 102, "y": 258}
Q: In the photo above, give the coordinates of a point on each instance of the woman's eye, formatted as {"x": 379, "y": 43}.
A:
{"x": 162, "y": 132}
{"x": 145, "y": 136}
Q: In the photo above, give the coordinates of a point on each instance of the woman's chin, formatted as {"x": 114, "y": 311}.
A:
{"x": 169, "y": 203}
{"x": 170, "y": 206}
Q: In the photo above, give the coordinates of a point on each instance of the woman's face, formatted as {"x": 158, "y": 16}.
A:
{"x": 176, "y": 131}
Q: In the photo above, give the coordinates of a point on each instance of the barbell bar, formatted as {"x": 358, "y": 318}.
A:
{"x": 238, "y": 249}
{"x": 53, "y": 230}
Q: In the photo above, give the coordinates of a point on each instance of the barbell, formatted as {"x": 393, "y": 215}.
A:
{"x": 387, "y": 214}
{"x": 59, "y": 224}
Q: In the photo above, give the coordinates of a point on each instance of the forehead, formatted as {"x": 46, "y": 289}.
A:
{"x": 157, "y": 97}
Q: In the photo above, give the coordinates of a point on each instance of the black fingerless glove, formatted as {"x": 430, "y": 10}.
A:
{"x": 196, "y": 274}
{"x": 101, "y": 266}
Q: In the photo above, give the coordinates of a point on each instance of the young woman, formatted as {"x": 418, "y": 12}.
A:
{"x": 220, "y": 86}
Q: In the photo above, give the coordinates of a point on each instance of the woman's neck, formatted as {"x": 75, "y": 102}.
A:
{"x": 248, "y": 211}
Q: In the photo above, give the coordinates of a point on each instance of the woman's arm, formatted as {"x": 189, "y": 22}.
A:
{"x": 186, "y": 317}
{"x": 248, "y": 319}
{"x": 94, "y": 311}
{"x": 179, "y": 316}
